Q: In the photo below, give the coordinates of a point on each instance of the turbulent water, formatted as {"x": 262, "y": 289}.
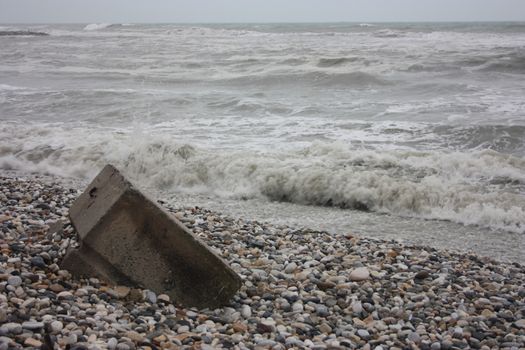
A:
{"x": 415, "y": 121}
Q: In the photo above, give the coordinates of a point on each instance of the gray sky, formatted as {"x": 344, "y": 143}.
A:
{"x": 121, "y": 11}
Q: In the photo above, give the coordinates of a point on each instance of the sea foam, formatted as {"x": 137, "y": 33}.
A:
{"x": 482, "y": 188}
{"x": 98, "y": 26}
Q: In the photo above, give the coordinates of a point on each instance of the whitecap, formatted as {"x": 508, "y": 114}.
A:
{"x": 97, "y": 26}
{"x": 483, "y": 188}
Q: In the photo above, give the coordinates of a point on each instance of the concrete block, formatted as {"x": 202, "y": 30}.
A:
{"x": 127, "y": 239}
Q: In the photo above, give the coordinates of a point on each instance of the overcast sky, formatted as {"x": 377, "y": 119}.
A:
{"x": 119, "y": 11}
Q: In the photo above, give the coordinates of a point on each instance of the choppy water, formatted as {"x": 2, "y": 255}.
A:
{"x": 381, "y": 126}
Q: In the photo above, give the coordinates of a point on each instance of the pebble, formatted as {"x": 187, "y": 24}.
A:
{"x": 302, "y": 289}
{"x": 14, "y": 281}
{"x": 359, "y": 274}
{"x": 122, "y": 292}
{"x": 363, "y": 334}
{"x": 112, "y": 343}
{"x": 33, "y": 343}
{"x": 421, "y": 275}
{"x": 246, "y": 311}
{"x": 57, "y": 288}
{"x": 10, "y": 328}
{"x": 183, "y": 329}
{"x": 325, "y": 328}
{"x": 435, "y": 346}
{"x": 38, "y": 261}
{"x": 136, "y": 337}
{"x": 32, "y": 325}
{"x": 414, "y": 337}
{"x": 163, "y": 298}
{"x": 65, "y": 295}
{"x": 357, "y": 307}
{"x": 322, "y": 310}
{"x": 458, "y": 332}
{"x": 150, "y": 296}
{"x": 298, "y": 307}
{"x": 70, "y": 339}
{"x": 56, "y": 326}
{"x": 520, "y": 323}
{"x": 290, "y": 268}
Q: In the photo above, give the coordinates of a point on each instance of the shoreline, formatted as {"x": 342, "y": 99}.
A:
{"x": 301, "y": 288}
{"x": 503, "y": 246}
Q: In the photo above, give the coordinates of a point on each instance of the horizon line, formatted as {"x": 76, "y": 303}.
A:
{"x": 275, "y": 22}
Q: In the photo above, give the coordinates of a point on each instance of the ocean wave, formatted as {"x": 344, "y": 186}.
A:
{"x": 507, "y": 139}
{"x": 506, "y": 62}
{"x": 513, "y": 63}
{"x": 484, "y": 188}
{"x": 316, "y": 78}
{"x": 294, "y": 61}
{"x": 422, "y": 67}
{"x": 388, "y": 33}
{"x": 334, "y": 62}
{"x": 7, "y": 87}
{"x": 22, "y": 33}
{"x": 98, "y": 26}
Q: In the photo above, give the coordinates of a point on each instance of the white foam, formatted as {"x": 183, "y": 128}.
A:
{"x": 454, "y": 186}
{"x": 97, "y": 26}
{"x": 7, "y": 87}
{"x": 457, "y": 117}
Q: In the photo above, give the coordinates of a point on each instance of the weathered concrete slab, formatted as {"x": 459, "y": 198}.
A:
{"x": 128, "y": 239}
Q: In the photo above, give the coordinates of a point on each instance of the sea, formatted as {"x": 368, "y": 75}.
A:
{"x": 400, "y": 131}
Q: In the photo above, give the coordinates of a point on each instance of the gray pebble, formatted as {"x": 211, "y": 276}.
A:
{"x": 14, "y": 281}
{"x": 32, "y": 325}
{"x": 363, "y": 334}
{"x": 10, "y": 328}
{"x": 435, "y": 346}
{"x": 112, "y": 343}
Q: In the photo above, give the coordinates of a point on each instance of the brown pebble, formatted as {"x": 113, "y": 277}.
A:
{"x": 239, "y": 327}
{"x": 122, "y": 291}
{"x": 135, "y": 295}
{"x": 33, "y": 342}
{"x": 57, "y": 288}
{"x": 161, "y": 338}
{"x": 325, "y": 285}
{"x": 134, "y": 336}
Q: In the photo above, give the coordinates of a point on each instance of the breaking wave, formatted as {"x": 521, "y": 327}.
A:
{"x": 7, "y": 87}
{"x": 513, "y": 63}
{"x": 507, "y": 62}
{"x": 388, "y": 33}
{"x": 98, "y": 26}
{"x": 483, "y": 188}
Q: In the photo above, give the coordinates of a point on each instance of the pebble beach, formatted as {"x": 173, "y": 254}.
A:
{"x": 302, "y": 289}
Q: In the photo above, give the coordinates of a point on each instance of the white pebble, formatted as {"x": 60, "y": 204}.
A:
{"x": 360, "y": 274}
{"x": 56, "y": 326}
{"x": 246, "y": 311}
